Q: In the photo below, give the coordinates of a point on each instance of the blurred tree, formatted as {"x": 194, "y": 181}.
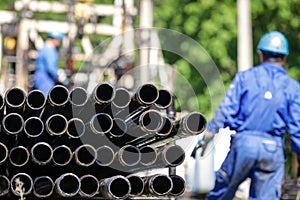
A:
{"x": 213, "y": 24}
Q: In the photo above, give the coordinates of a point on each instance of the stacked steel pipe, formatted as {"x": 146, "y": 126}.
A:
{"x": 70, "y": 143}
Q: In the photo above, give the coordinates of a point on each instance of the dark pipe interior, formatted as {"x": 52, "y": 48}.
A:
{"x": 76, "y": 128}
{"x": 89, "y": 185}
{"x": 104, "y": 92}
{"x": 69, "y": 184}
{"x": 43, "y": 186}
{"x": 15, "y": 97}
{"x": 59, "y": 95}
{"x": 148, "y": 93}
{"x": 42, "y": 152}
{"x": 13, "y": 123}
{"x": 61, "y": 155}
{"x": 19, "y": 156}
{"x": 33, "y": 126}
{"x": 161, "y": 185}
{"x": 36, "y": 99}
{"x": 118, "y": 191}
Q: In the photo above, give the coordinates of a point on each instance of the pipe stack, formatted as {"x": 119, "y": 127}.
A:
{"x": 72, "y": 144}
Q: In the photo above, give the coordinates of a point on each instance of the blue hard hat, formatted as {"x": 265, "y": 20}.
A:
{"x": 57, "y": 35}
{"x": 274, "y": 42}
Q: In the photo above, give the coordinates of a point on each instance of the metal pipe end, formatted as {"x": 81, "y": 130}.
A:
{"x": 56, "y": 125}
{"x": 76, "y": 128}
{"x": 122, "y": 98}
{"x": 151, "y": 121}
{"x": 4, "y": 185}
{"x": 19, "y": 156}
{"x": 85, "y": 155}
{"x": 110, "y": 187}
{"x": 179, "y": 185}
{"x": 67, "y": 185}
{"x": 15, "y": 97}
{"x": 58, "y": 95}
{"x": 129, "y": 155}
{"x": 105, "y": 156}
{"x": 21, "y": 181}
{"x": 12, "y": 123}
{"x": 33, "y": 127}
{"x": 104, "y": 93}
{"x": 137, "y": 185}
{"x": 101, "y": 123}
{"x": 41, "y": 153}
{"x": 164, "y": 99}
{"x": 3, "y": 153}
{"x": 35, "y": 100}
{"x": 194, "y": 123}
{"x": 43, "y": 186}
{"x": 147, "y": 94}
{"x": 62, "y": 155}
{"x": 148, "y": 155}
{"x": 173, "y": 155}
{"x": 78, "y": 97}
{"x": 159, "y": 185}
{"x": 89, "y": 186}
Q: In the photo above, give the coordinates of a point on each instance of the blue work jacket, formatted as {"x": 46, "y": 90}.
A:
{"x": 46, "y": 68}
{"x": 263, "y": 98}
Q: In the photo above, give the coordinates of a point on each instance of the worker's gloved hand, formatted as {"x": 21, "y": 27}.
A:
{"x": 62, "y": 77}
{"x": 202, "y": 143}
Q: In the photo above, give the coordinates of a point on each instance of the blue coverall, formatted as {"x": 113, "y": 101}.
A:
{"x": 46, "y": 67}
{"x": 259, "y": 104}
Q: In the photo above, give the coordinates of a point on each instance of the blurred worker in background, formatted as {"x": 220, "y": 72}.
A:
{"x": 259, "y": 104}
{"x": 47, "y": 73}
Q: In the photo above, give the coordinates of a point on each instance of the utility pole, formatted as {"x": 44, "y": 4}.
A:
{"x": 146, "y": 23}
{"x": 245, "y": 55}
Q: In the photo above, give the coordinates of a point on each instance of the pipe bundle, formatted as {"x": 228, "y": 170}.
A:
{"x": 71, "y": 144}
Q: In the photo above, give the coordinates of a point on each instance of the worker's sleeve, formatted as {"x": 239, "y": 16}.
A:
{"x": 229, "y": 108}
{"x": 52, "y": 61}
{"x": 294, "y": 124}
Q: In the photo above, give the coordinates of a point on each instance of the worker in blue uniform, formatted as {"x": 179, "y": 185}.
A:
{"x": 46, "y": 73}
{"x": 259, "y": 104}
